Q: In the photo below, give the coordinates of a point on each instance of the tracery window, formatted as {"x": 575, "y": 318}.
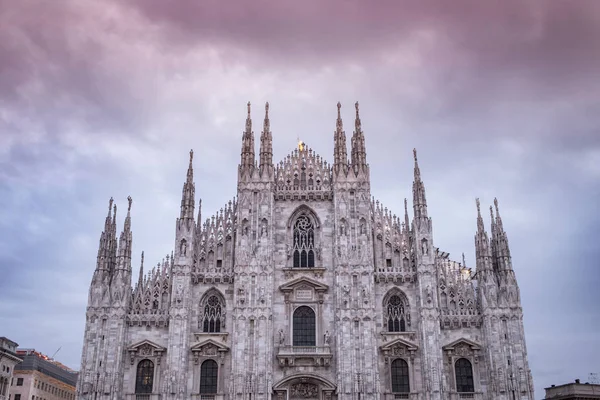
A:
{"x": 209, "y": 372}
{"x": 464, "y": 376}
{"x": 145, "y": 377}
{"x": 304, "y": 242}
{"x": 212, "y": 318}
{"x": 395, "y": 314}
{"x": 304, "y": 327}
{"x": 400, "y": 383}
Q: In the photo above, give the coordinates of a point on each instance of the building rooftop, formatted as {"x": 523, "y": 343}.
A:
{"x": 573, "y": 390}
{"x": 9, "y": 348}
{"x": 36, "y": 361}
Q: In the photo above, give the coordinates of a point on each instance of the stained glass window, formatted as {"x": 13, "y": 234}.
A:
{"x": 395, "y": 314}
{"x": 304, "y": 243}
{"x": 211, "y": 320}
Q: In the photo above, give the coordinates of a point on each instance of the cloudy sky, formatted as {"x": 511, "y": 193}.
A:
{"x": 105, "y": 98}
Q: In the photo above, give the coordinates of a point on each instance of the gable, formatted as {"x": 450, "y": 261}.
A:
{"x": 304, "y": 282}
{"x": 462, "y": 342}
{"x": 397, "y": 344}
{"x": 146, "y": 347}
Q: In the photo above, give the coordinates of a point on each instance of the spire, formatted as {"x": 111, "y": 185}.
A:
{"x": 102, "y": 262}
{"x": 502, "y": 255}
{"x": 359, "y": 152}
{"x": 482, "y": 244}
{"x": 141, "y": 277}
{"x": 419, "y": 199}
{"x": 107, "y": 247}
{"x": 248, "y": 144}
{"x": 266, "y": 143}
{"x": 199, "y": 219}
{"x": 124, "y": 261}
{"x": 406, "y": 220}
{"x": 188, "y": 193}
{"x": 340, "y": 152}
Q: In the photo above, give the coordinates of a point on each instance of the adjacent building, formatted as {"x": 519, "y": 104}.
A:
{"x": 305, "y": 287}
{"x": 40, "y": 378}
{"x": 8, "y": 360}
{"x": 573, "y": 391}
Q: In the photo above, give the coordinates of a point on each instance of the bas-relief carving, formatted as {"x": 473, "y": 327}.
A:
{"x": 304, "y": 391}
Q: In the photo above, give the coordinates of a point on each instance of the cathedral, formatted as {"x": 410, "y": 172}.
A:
{"x": 303, "y": 286}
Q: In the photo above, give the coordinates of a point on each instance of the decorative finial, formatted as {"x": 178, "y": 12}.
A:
{"x": 267, "y": 109}
{"x": 492, "y": 214}
{"x": 248, "y": 109}
{"x": 415, "y": 154}
{"x": 478, "y": 206}
{"x": 339, "y": 106}
{"x": 356, "y": 106}
{"x": 496, "y": 205}
{"x": 191, "y": 155}
{"x": 110, "y": 204}
{"x": 130, "y": 200}
{"x": 464, "y": 262}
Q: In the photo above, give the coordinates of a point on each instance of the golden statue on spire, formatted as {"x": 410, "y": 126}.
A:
{"x": 301, "y": 145}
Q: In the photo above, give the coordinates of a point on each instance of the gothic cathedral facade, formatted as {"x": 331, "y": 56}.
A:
{"x": 305, "y": 287}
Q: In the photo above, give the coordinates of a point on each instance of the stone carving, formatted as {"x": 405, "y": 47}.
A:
{"x": 145, "y": 350}
{"x": 281, "y": 336}
{"x": 242, "y": 296}
{"x": 326, "y": 337}
{"x": 428, "y": 294}
{"x": 304, "y": 391}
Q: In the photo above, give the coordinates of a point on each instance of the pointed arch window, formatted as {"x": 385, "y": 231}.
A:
{"x": 400, "y": 382}
{"x": 304, "y": 327}
{"x": 304, "y": 242}
{"x": 145, "y": 377}
{"x": 464, "y": 376}
{"x": 396, "y": 319}
{"x": 213, "y": 317}
{"x": 209, "y": 373}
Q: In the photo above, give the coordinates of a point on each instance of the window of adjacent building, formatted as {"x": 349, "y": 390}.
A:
{"x": 304, "y": 243}
{"x": 209, "y": 372}
{"x": 395, "y": 314}
{"x": 145, "y": 377}
{"x": 19, "y": 381}
{"x": 304, "y": 327}
{"x": 17, "y": 397}
{"x": 400, "y": 382}
{"x": 464, "y": 376}
{"x": 212, "y": 315}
